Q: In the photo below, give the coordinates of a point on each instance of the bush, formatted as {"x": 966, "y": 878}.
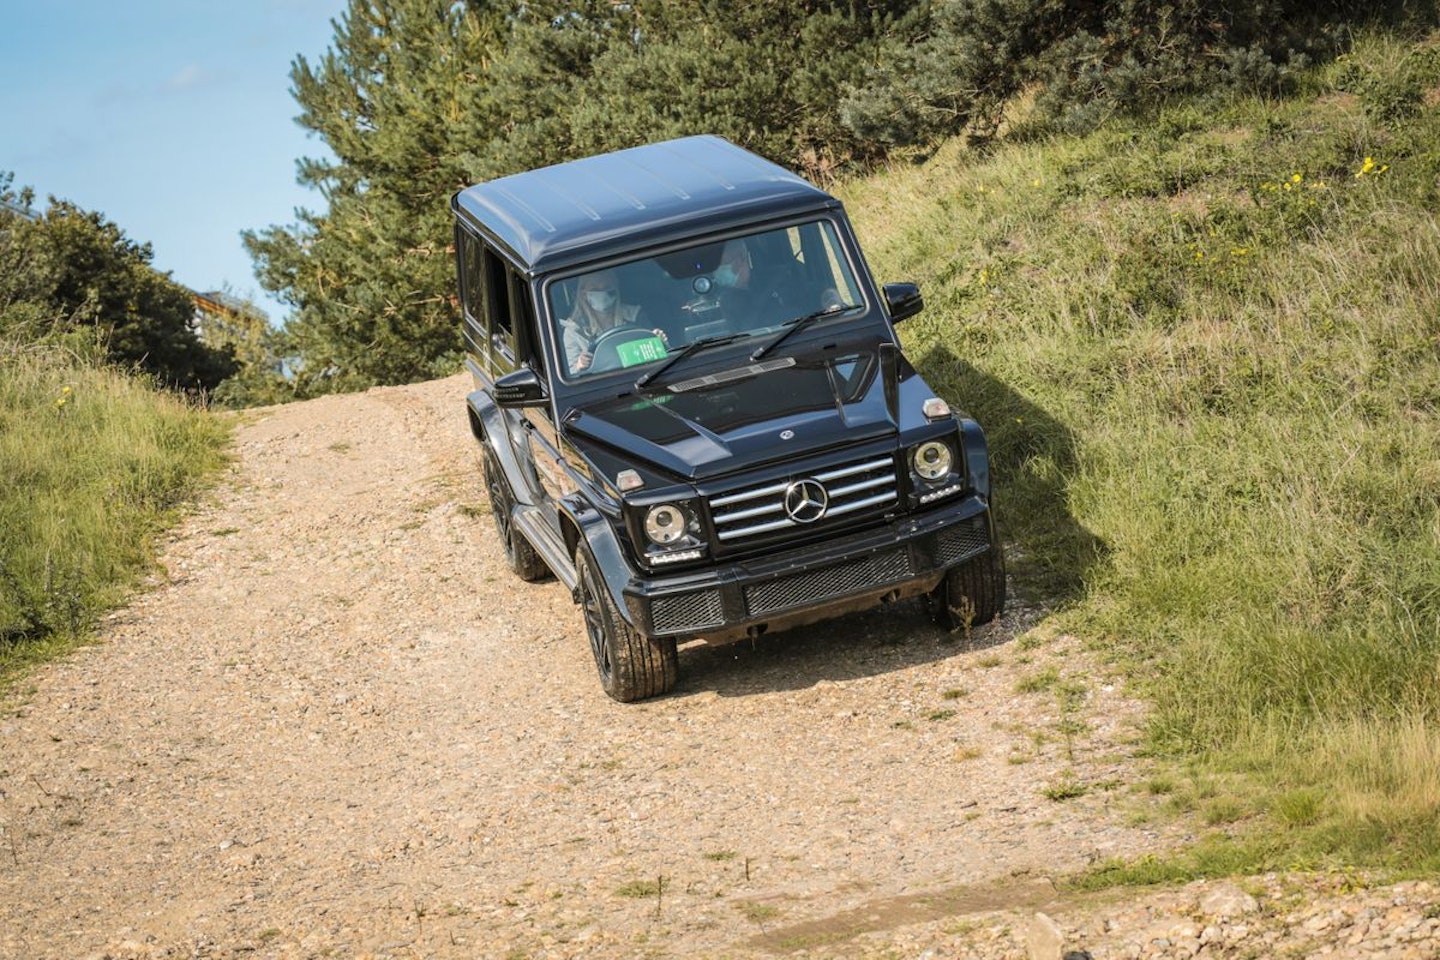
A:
{"x": 959, "y": 69}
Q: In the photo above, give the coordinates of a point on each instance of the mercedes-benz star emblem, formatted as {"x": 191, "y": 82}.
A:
{"x": 806, "y": 500}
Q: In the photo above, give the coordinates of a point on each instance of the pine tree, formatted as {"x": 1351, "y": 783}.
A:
{"x": 419, "y": 98}
{"x": 371, "y": 277}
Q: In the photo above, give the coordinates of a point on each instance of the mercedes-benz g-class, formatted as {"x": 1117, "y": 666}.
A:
{"x": 693, "y": 410}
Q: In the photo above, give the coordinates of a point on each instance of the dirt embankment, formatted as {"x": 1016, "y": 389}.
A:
{"x": 338, "y": 726}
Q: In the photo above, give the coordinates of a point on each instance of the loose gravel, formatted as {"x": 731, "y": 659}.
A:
{"x": 337, "y": 726}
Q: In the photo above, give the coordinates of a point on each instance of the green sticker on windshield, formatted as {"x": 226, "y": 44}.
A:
{"x": 641, "y": 351}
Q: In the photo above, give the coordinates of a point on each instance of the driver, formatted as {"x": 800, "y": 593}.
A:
{"x": 597, "y": 308}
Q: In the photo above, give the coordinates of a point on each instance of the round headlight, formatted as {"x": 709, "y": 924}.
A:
{"x": 664, "y": 523}
{"x": 932, "y": 460}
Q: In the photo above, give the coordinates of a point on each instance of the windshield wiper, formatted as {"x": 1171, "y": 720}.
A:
{"x": 797, "y": 324}
{"x": 690, "y": 349}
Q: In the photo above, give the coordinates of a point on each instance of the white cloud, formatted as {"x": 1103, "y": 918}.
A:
{"x": 187, "y": 77}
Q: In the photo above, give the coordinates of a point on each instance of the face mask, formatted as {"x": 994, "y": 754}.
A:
{"x": 725, "y": 275}
{"x": 601, "y": 300}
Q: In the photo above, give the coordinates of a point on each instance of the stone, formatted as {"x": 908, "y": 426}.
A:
{"x": 1045, "y": 939}
{"x": 1228, "y": 900}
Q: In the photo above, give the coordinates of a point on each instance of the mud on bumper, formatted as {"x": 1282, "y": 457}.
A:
{"x": 731, "y": 601}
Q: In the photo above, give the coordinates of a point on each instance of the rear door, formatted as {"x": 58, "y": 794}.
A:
{"x": 497, "y": 308}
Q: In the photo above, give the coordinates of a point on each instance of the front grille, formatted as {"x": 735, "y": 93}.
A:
{"x": 964, "y": 540}
{"x": 853, "y": 490}
{"x": 687, "y": 611}
{"x": 853, "y": 576}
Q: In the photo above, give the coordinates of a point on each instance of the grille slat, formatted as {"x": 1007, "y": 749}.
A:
{"x": 882, "y": 464}
{"x": 751, "y": 531}
{"x": 738, "y": 515}
{"x": 837, "y": 492}
{"x": 886, "y": 497}
{"x": 869, "y": 484}
{"x": 764, "y": 491}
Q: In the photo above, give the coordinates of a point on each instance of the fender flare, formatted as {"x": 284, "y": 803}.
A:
{"x": 977, "y": 456}
{"x": 594, "y": 534}
{"x": 487, "y": 419}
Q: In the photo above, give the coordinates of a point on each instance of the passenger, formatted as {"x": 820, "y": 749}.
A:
{"x": 748, "y": 305}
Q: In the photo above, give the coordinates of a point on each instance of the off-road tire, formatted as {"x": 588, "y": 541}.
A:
{"x": 972, "y": 593}
{"x": 631, "y": 666}
{"x": 519, "y": 555}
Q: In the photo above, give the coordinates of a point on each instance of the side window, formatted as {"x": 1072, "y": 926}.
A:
{"x": 497, "y": 305}
{"x": 472, "y": 291}
{"x": 497, "y": 296}
{"x": 526, "y": 323}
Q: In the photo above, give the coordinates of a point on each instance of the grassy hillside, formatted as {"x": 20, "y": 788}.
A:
{"x": 92, "y": 466}
{"x": 1206, "y": 348}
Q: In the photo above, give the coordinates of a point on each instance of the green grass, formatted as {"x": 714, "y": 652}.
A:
{"x": 1206, "y": 351}
{"x": 639, "y": 889}
{"x": 93, "y": 466}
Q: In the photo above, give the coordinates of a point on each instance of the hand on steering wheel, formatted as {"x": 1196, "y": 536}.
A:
{"x": 604, "y": 353}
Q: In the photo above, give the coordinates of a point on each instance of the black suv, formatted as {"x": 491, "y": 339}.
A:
{"x": 693, "y": 410}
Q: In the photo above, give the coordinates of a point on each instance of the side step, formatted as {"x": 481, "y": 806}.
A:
{"x": 532, "y": 526}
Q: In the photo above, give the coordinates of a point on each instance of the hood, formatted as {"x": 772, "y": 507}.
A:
{"x": 747, "y": 418}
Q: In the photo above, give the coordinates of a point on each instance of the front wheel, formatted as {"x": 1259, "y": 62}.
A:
{"x": 972, "y": 593}
{"x": 632, "y": 666}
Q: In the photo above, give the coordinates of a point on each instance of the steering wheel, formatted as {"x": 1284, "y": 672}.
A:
{"x": 605, "y": 349}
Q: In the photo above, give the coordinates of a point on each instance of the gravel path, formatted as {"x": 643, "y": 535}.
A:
{"x": 338, "y": 726}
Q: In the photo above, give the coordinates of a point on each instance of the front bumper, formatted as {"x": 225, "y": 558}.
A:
{"x": 732, "y": 600}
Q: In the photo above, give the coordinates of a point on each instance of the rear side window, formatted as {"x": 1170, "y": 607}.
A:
{"x": 491, "y": 296}
{"x": 472, "y": 292}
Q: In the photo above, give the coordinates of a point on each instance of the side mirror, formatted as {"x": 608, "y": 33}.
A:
{"x": 523, "y": 388}
{"x": 904, "y": 300}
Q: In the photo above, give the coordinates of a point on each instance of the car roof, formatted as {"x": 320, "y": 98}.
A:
{"x": 570, "y": 212}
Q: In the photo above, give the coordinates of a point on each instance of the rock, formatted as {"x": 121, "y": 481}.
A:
{"x": 1228, "y": 900}
{"x": 1046, "y": 941}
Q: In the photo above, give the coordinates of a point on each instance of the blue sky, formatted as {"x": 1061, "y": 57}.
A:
{"x": 173, "y": 118}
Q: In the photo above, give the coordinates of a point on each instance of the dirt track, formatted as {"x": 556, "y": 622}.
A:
{"x": 338, "y": 726}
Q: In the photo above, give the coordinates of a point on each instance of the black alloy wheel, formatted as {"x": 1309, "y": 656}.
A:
{"x": 631, "y": 666}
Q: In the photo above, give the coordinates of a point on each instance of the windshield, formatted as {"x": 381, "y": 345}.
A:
{"x": 646, "y": 310}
